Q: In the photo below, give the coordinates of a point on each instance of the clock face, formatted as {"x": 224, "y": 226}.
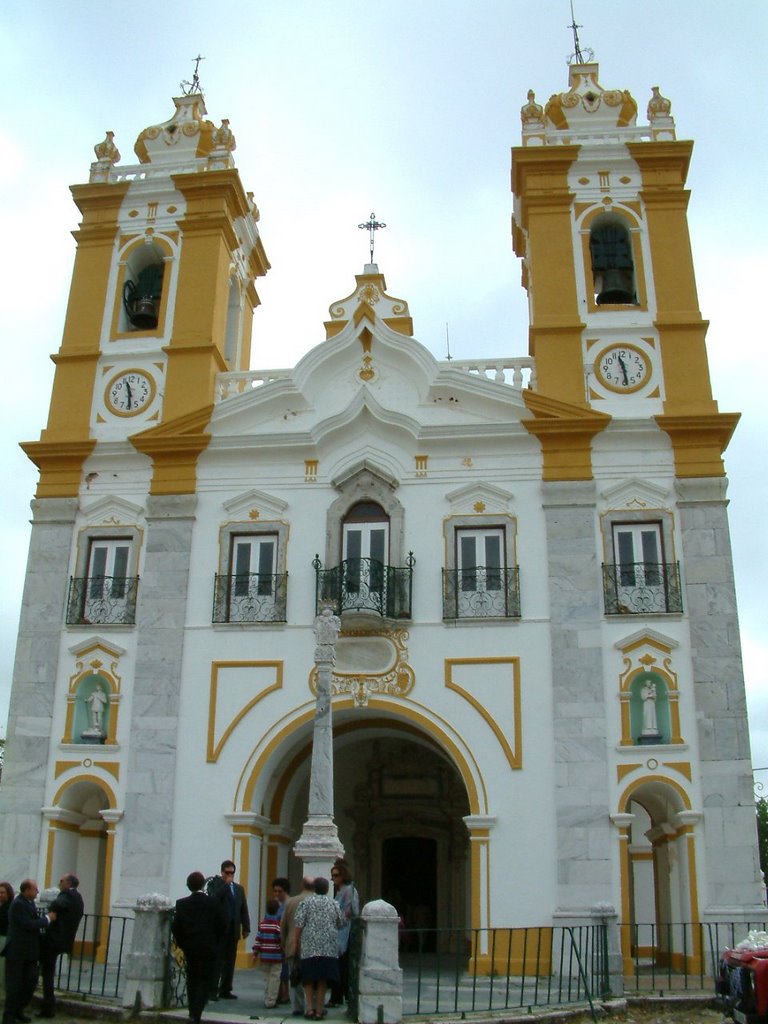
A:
{"x": 129, "y": 391}
{"x": 623, "y": 368}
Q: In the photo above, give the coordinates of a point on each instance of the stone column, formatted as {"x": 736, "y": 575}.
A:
{"x": 319, "y": 844}
{"x": 146, "y": 966}
{"x": 585, "y": 868}
{"x": 30, "y": 718}
{"x": 381, "y": 978}
{"x": 725, "y": 770}
{"x": 612, "y": 969}
{"x": 156, "y": 699}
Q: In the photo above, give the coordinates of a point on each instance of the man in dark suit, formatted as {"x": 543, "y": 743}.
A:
{"x": 231, "y": 897}
{"x": 60, "y": 937}
{"x": 22, "y": 951}
{"x": 198, "y": 928}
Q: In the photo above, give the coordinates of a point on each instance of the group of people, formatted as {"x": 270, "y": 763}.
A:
{"x": 301, "y": 943}
{"x": 31, "y": 943}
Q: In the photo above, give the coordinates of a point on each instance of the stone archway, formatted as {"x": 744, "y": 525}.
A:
{"x": 395, "y": 793}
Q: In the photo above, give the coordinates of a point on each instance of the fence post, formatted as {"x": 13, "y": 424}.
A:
{"x": 147, "y": 964}
{"x": 612, "y": 968}
{"x": 381, "y": 979}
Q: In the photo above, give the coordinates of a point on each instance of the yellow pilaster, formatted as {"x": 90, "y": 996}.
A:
{"x": 544, "y": 218}
{"x": 565, "y": 433}
{"x": 64, "y": 444}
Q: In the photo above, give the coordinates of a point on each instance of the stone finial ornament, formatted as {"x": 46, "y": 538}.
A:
{"x": 223, "y": 137}
{"x": 107, "y": 155}
{"x": 532, "y": 113}
{"x": 658, "y": 105}
{"x": 107, "y": 151}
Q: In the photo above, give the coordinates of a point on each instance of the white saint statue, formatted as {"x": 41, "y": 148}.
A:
{"x": 650, "y": 722}
{"x": 96, "y": 704}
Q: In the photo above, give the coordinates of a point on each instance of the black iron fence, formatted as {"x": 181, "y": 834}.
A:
{"x": 250, "y": 597}
{"x": 457, "y": 970}
{"x": 107, "y": 600}
{"x": 669, "y": 958}
{"x": 640, "y": 588}
{"x": 481, "y": 592}
{"x": 366, "y": 585}
{"x": 96, "y": 964}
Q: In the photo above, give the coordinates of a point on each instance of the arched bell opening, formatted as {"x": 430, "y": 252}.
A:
{"x": 141, "y": 288}
{"x": 613, "y": 265}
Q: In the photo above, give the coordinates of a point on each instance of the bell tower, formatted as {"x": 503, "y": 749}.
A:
{"x": 614, "y": 323}
{"x": 162, "y": 299}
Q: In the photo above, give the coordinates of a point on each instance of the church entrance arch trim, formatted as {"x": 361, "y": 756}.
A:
{"x": 680, "y": 826}
{"x": 61, "y": 819}
{"x": 397, "y": 712}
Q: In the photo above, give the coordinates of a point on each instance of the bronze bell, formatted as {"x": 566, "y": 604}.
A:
{"x": 143, "y": 314}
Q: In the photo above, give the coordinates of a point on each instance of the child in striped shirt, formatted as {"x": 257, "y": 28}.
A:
{"x": 269, "y": 950}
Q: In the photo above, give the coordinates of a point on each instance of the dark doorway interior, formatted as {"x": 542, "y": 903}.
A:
{"x": 409, "y": 881}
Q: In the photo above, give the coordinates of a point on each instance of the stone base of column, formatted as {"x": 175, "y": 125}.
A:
{"x": 319, "y": 845}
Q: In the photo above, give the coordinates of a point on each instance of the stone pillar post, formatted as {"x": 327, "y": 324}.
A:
{"x": 381, "y": 978}
{"x": 319, "y": 844}
{"x": 612, "y": 970}
{"x": 146, "y": 966}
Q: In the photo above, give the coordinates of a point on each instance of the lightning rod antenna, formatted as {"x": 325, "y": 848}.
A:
{"x": 578, "y": 56}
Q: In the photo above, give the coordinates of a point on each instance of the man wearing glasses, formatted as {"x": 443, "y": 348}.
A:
{"x": 234, "y": 907}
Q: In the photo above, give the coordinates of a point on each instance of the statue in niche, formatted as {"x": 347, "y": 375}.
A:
{"x": 650, "y": 731}
{"x": 96, "y": 702}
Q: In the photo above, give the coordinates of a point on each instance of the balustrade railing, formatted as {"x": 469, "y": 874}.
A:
{"x": 104, "y": 600}
{"x": 641, "y": 588}
{"x": 250, "y": 597}
{"x": 365, "y": 585}
{"x": 481, "y": 592}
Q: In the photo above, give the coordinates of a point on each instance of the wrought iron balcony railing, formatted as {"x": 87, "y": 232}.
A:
{"x": 105, "y": 600}
{"x": 481, "y": 592}
{"x": 642, "y": 588}
{"x": 250, "y": 597}
{"x": 365, "y": 585}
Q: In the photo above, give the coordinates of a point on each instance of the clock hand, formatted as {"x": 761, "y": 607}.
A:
{"x": 130, "y": 396}
{"x": 623, "y": 370}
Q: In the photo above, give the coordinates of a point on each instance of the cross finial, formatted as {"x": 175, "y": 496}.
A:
{"x": 579, "y": 56}
{"x": 188, "y": 88}
{"x": 371, "y": 225}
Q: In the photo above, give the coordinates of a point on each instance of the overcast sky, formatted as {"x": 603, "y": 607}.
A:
{"x": 403, "y": 107}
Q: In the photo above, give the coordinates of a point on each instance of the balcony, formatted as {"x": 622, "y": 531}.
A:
{"x": 250, "y": 597}
{"x": 102, "y": 600}
{"x": 642, "y": 588}
{"x": 481, "y": 592}
{"x": 365, "y": 585}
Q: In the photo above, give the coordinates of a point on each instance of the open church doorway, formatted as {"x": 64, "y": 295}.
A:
{"x": 409, "y": 883}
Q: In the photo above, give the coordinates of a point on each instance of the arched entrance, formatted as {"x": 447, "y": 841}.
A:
{"x": 399, "y": 808}
{"x": 660, "y": 873}
{"x": 79, "y": 840}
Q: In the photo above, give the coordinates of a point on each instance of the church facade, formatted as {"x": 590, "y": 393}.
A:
{"x": 538, "y": 701}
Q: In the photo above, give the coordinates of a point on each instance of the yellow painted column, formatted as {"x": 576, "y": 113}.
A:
{"x": 65, "y": 443}
{"x": 479, "y": 827}
{"x": 544, "y": 238}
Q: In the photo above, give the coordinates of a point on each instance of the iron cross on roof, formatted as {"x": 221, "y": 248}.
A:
{"x": 371, "y": 225}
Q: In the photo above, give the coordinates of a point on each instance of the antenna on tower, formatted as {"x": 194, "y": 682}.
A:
{"x": 578, "y": 56}
{"x": 190, "y": 88}
{"x": 449, "y": 357}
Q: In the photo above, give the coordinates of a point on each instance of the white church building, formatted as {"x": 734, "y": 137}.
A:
{"x": 538, "y": 701}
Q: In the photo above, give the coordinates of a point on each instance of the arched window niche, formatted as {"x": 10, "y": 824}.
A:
{"x": 93, "y": 697}
{"x": 612, "y": 261}
{"x": 142, "y": 288}
{"x": 91, "y": 712}
{"x": 649, "y": 709}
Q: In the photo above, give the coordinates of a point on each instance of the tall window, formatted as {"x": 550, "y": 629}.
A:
{"x": 249, "y": 586}
{"x": 107, "y": 592}
{"x": 480, "y": 559}
{"x": 637, "y": 552}
{"x": 613, "y": 268}
{"x": 365, "y": 547}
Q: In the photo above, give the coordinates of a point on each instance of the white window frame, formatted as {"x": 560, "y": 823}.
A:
{"x": 232, "y": 534}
